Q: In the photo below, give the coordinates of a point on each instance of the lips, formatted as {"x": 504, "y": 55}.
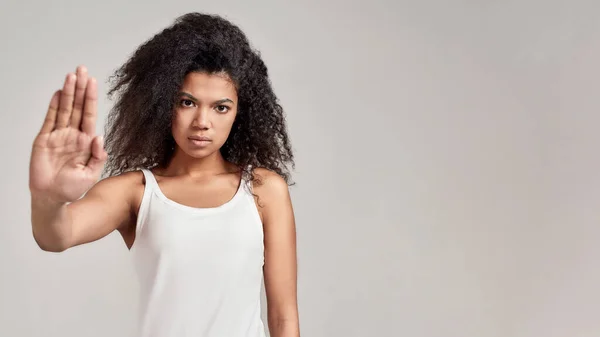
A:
{"x": 200, "y": 138}
{"x": 200, "y": 142}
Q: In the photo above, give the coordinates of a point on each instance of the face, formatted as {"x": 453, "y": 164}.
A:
{"x": 203, "y": 114}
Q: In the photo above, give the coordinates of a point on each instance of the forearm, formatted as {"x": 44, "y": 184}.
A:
{"x": 51, "y": 224}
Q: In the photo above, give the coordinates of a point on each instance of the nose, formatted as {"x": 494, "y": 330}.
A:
{"x": 201, "y": 119}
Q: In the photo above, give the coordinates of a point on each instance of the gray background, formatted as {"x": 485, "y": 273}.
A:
{"x": 447, "y": 177}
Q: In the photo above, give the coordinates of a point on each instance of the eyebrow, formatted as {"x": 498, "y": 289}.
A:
{"x": 221, "y": 101}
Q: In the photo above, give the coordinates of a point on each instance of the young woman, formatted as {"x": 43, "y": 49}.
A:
{"x": 197, "y": 157}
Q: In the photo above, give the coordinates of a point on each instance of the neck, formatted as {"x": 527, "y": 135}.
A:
{"x": 183, "y": 164}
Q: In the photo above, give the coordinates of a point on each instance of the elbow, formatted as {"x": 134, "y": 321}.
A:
{"x": 284, "y": 325}
{"x": 52, "y": 249}
{"x": 53, "y": 246}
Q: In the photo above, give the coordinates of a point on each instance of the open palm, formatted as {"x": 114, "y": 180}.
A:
{"x": 67, "y": 157}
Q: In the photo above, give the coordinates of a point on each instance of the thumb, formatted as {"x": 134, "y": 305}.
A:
{"x": 99, "y": 155}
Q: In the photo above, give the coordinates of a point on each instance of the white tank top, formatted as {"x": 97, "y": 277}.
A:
{"x": 200, "y": 269}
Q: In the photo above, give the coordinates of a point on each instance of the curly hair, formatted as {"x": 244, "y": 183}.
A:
{"x": 138, "y": 130}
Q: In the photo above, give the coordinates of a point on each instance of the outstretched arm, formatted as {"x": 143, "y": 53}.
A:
{"x": 66, "y": 161}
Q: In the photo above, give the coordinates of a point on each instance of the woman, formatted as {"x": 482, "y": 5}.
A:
{"x": 197, "y": 187}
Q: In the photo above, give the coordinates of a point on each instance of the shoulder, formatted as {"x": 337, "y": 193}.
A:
{"x": 125, "y": 187}
{"x": 276, "y": 212}
{"x": 269, "y": 185}
{"x": 272, "y": 195}
{"x": 122, "y": 181}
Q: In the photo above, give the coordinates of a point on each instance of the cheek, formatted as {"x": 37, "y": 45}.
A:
{"x": 177, "y": 125}
{"x": 226, "y": 124}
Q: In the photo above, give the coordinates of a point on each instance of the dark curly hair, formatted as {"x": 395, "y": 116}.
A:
{"x": 138, "y": 130}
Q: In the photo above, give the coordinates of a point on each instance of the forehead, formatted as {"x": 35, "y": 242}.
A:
{"x": 209, "y": 86}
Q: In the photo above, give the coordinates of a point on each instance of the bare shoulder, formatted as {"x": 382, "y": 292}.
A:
{"x": 123, "y": 182}
{"x": 272, "y": 195}
{"x": 126, "y": 189}
{"x": 269, "y": 184}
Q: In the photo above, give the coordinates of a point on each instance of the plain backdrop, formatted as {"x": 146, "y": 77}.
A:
{"x": 447, "y": 164}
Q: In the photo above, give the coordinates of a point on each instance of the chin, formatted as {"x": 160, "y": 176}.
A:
{"x": 198, "y": 153}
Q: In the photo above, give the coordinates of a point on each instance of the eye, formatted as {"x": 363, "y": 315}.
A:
{"x": 186, "y": 103}
{"x": 222, "y": 108}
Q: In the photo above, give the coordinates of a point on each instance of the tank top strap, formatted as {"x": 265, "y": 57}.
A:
{"x": 149, "y": 190}
{"x": 150, "y": 179}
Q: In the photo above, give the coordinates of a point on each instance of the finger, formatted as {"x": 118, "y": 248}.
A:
{"x": 99, "y": 155}
{"x": 50, "y": 119}
{"x": 65, "y": 106}
{"x": 80, "y": 85}
{"x": 88, "y": 121}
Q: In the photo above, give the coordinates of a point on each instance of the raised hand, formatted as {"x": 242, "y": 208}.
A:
{"x": 67, "y": 157}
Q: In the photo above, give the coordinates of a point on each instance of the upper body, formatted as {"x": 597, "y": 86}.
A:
{"x": 196, "y": 145}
